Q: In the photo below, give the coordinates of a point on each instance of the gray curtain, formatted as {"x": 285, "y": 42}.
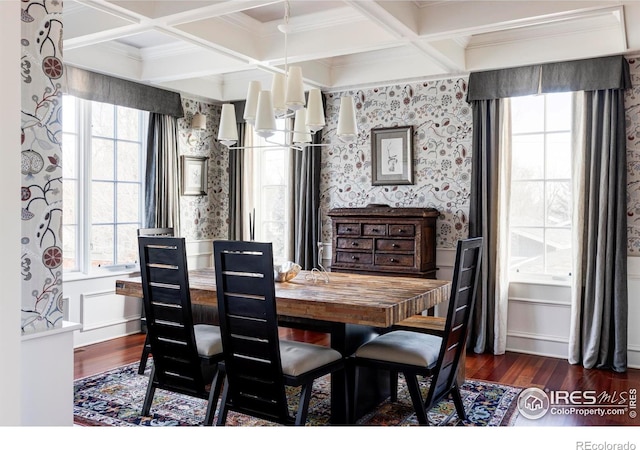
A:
{"x": 599, "y": 309}
{"x": 116, "y": 91}
{"x": 483, "y": 217}
{"x": 306, "y": 204}
{"x": 236, "y": 181}
{"x": 162, "y": 198}
{"x": 599, "y": 299}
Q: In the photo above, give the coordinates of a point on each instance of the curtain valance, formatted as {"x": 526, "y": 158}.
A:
{"x": 116, "y": 91}
{"x": 610, "y": 72}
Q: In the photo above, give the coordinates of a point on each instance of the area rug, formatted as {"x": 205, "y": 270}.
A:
{"x": 115, "y": 397}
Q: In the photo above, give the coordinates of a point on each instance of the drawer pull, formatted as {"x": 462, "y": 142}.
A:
{"x": 355, "y": 258}
{"x": 401, "y": 230}
{"x": 375, "y": 230}
{"x": 393, "y": 260}
{"x": 355, "y": 244}
{"x": 394, "y": 245}
{"x": 348, "y": 228}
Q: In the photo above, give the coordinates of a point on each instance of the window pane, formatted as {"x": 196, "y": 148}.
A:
{"x": 101, "y": 245}
{"x": 128, "y": 123}
{"x": 69, "y": 248}
{"x": 70, "y": 202}
{"x": 527, "y": 203}
{"x": 273, "y": 198}
{"x": 102, "y": 202}
{"x": 69, "y": 117}
{"x": 527, "y": 114}
{"x": 128, "y": 161}
{"x": 102, "y": 159}
{"x": 274, "y": 232}
{"x": 102, "y": 119}
{"x": 559, "y": 208}
{"x": 527, "y": 249}
{"x": 127, "y": 243}
{"x": 558, "y": 248}
{"x": 527, "y": 157}
{"x": 559, "y": 155}
{"x": 273, "y": 167}
{"x": 69, "y": 156}
{"x": 559, "y": 115}
{"x": 128, "y": 201}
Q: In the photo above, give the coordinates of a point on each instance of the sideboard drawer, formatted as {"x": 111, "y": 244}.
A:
{"x": 348, "y": 229}
{"x": 354, "y": 258}
{"x": 369, "y": 229}
{"x": 402, "y": 230}
{"x": 395, "y": 245}
{"x": 387, "y": 259}
{"x": 355, "y": 243}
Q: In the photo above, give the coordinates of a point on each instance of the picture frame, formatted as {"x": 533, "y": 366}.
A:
{"x": 194, "y": 175}
{"x": 392, "y": 156}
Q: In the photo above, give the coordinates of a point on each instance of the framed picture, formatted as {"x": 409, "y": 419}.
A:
{"x": 392, "y": 155}
{"x": 194, "y": 175}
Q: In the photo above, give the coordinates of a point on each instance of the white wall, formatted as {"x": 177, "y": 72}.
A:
{"x": 105, "y": 315}
{"x": 10, "y": 349}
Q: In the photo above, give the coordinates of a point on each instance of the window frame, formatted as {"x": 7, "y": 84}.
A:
{"x": 84, "y": 223}
{"x": 547, "y": 278}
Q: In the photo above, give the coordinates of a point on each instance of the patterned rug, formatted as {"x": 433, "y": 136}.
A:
{"x": 115, "y": 398}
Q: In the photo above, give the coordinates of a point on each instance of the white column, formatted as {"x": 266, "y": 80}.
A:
{"x": 10, "y": 107}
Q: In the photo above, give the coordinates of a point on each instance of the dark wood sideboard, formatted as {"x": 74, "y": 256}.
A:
{"x": 384, "y": 241}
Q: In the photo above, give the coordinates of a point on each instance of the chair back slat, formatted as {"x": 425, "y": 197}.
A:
{"x": 463, "y": 293}
{"x": 249, "y": 329}
{"x": 167, "y": 304}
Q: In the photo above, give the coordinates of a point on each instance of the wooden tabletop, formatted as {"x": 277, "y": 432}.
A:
{"x": 379, "y": 301}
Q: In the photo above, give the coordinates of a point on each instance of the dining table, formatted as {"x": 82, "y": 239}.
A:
{"x": 352, "y": 308}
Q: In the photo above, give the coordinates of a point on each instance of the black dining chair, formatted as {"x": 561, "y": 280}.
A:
{"x": 185, "y": 356}
{"x": 257, "y": 364}
{"x": 146, "y": 348}
{"x": 415, "y": 354}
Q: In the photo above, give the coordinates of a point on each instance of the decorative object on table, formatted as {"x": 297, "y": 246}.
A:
{"x": 286, "y": 271}
{"x": 194, "y": 175}
{"x": 113, "y": 398}
{"x": 392, "y": 156}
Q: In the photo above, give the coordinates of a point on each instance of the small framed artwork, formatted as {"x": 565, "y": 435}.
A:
{"x": 392, "y": 155}
{"x": 194, "y": 175}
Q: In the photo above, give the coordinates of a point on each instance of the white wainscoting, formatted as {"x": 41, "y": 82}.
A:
{"x": 103, "y": 314}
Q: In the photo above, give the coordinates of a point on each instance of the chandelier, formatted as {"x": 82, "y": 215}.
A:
{"x": 286, "y": 99}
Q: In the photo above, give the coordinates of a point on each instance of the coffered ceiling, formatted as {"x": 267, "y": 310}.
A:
{"x": 212, "y": 49}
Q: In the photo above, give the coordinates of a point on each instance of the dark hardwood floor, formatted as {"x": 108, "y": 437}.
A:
{"x": 513, "y": 369}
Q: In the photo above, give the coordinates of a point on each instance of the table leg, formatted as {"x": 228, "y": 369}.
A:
{"x": 373, "y": 384}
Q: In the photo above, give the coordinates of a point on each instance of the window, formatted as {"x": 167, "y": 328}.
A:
{"x": 270, "y": 192}
{"x": 102, "y": 183}
{"x": 541, "y": 206}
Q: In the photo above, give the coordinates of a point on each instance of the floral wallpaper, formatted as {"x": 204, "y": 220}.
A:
{"x": 41, "y": 192}
{"x": 205, "y": 216}
{"x": 441, "y": 120}
{"x": 632, "y": 109}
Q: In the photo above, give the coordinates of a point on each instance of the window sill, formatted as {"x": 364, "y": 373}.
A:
{"x": 129, "y": 270}
{"x": 540, "y": 280}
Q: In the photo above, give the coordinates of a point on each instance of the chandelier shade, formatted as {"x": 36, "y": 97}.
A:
{"x": 347, "y": 129}
{"x": 228, "y": 132}
{"x": 265, "y": 124}
{"x": 301, "y": 132}
{"x": 251, "y": 106}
